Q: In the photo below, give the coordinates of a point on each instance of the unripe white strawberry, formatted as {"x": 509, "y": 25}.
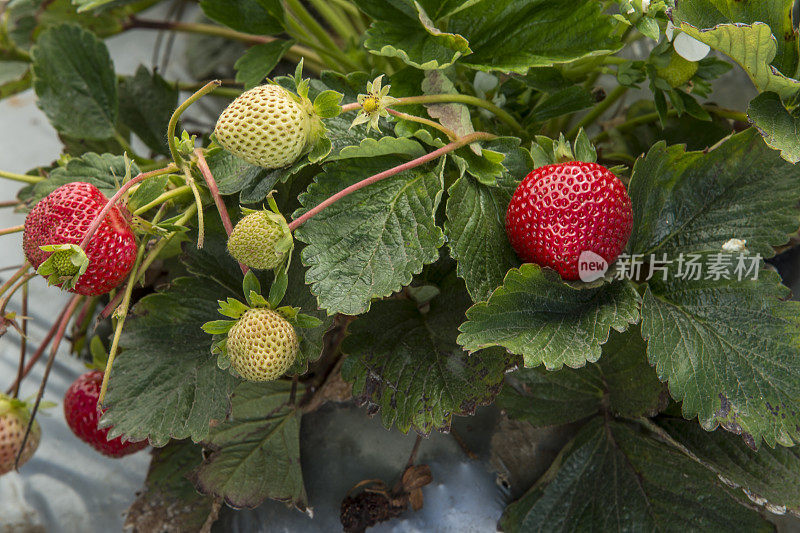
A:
{"x": 14, "y": 416}
{"x": 261, "y": 240}
{"x": 267, "y": 126}
{"x": 262, "y": 345}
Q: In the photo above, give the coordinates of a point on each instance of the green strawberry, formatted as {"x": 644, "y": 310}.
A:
{"x": 262, "y": 345}
{"x": 679, "y": 71}
{"x": 261, "y": 240}
{"x": 267, "y": 126}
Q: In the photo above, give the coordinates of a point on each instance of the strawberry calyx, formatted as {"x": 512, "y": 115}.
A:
{"x": 325, "y": 105}
{"x": 66, "y": 264}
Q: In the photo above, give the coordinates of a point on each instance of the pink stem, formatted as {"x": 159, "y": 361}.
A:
{"x": 65, "y": 313}
{"x": 214, "y": 190}
{"x": 114, "y": 199}
{"x": 13, "y": 229}
{"x": 351, "y": 107}
{"x": 463, "y": 141}
{"x": 62, "y": 326}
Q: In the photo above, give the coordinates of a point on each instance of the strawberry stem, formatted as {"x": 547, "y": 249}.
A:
{"x": 40, "y": 350}
{"x": 13, "y": 229}
{"x": 6, "y": 297}
{"x": 62, "y": 326}
{"x": 18, "y": 274}
{"x": 173, "y": 121}
{"x": 502, "y": 115}
{"x": 114, "y": 199}
{"x": 121, "y": 315}
{"x": 463, "y": 141}
{"x": 24, "y": 178}
{"x": 421, "y": 120}
{"x": 165, "y": 197}
{"x": 295, "y": 52}
{"x": 23, "y": 345}
{"x": 199, "y": 203}
{"x": 202, "y": 164}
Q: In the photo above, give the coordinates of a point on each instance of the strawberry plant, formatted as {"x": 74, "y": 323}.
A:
{"x": 435, "y": 206}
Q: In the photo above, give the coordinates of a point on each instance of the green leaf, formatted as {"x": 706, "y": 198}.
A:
{"x": 778, "y": 127}
{"x": 79, "y": 95}
{"x": 278, "y": 289}
{"x": 729, "y": 352}
{"x": 299, "y": 295}
{"x": 782, "y": 53}
{"x": 404, "y": 30}
{"x": 697, "y": 201}
{"x": 146, "y": 103}
{"x": 258, "y": 62}
{"x": 256, "y": 454}
{"x": 369, "y": 244}
{"x": 753, "y": 47}
{"x": 475, "y": 225}
{"x": 326, "y": 104}
{"x": 622, "y": 381}
{"x": 402, "y": 146}
{"x": 523, "y": 33}
{"x": 533, "y": 33}
{"x": 15, "y": 77}
{"x": 147, "y": 191}
{"x": 564, "y": 102}
{"x": 538, "y": 316}
{"x": 234, "y": 175}
{"x": 250, "y": 284}
{"x": 454, "y": 116}
{"x": 613, "y": 478}
{"x": 248, "y": 16}
{"x": 169, "y": 500}
{"x": 771, "y": 474}
{"x": 407, "y": 363}
{"x": 104, "y": 171}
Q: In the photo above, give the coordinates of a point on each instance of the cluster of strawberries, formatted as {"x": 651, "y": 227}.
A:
{"x": 557, "y": 213}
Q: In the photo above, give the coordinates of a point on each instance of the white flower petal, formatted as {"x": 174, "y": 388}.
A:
{"x": 670, "y": 31}
{"x": 690, "y": 48}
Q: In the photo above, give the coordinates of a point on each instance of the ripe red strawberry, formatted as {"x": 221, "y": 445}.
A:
{"x": 80, "y": 410}
{"x": 14, "y": 417}
{"x": 63, "y": 217}
{"x": 560, "y": 211}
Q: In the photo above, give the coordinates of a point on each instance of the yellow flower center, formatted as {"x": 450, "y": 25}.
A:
{"x": 370, "y": 105}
